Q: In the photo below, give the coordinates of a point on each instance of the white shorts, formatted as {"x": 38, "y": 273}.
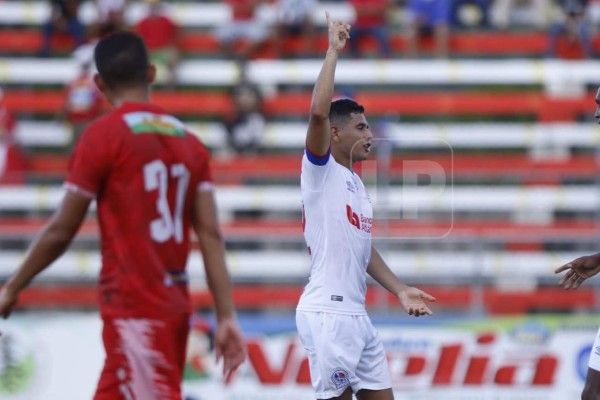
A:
{"x": 594, "y": 362}
{"x": 343, "y": 350}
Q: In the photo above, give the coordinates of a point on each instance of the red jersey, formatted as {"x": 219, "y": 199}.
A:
{"x": 242, "y": 10}
{"x": 143, "y": 168}
{"x": 370, "y": 13}
{"x": 158, "y": 32}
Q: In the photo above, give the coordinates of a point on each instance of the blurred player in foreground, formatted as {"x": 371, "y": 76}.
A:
{"x": 344, "y": 351}
{"x": 151, "y": 181}
{"x": 577, "y": 272}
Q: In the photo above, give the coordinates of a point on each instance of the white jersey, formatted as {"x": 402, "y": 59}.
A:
{"x": 337, "y": 228}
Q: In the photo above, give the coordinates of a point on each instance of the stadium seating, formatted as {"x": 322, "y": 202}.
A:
{"x": 506, "y": 139}
{"x": 492, "y": 44}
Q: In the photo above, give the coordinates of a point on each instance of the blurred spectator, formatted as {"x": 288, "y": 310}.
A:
{"x": 427, "y": 17}
{"x": 245, "y": 126}
{"x": 111, "y": 14}
{"x": 63, "y": 18}
{"x": 593, "y": 12}
{"x": 12, "y": 160}
{"x": 295, "y": 19}
{"x": 243, "y": 25}
{"x": 571, "y": 23}
{"x": 371, "y": 20}
{"x": 83, "y": 101}
{"x": 161, "y": 35}
{"x": 470, "y": 14}
{"x": 502, "y": 12}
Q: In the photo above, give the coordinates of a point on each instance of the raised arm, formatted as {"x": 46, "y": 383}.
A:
{"x": 47, "y": 247}
{"x": 411, "y": 298}
{"x": 318, "y": 136}
{"x": 229, "y": 342}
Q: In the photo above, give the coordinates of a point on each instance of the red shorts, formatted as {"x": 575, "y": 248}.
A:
{"x": 145, "y": 358}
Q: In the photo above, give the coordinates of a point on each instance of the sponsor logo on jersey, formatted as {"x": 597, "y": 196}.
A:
{"x": 147, "y": 122}
{"x": 361, "y": 223}
{"x": 335, "y": 297}
{"x": 597, "y": 350}
{"x": 340, "y": 378}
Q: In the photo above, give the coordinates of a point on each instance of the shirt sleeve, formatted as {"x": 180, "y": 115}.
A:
{"x": 314, "y": 170}
{"x": 90, "y": 163}
{"x": 205, "y": 180}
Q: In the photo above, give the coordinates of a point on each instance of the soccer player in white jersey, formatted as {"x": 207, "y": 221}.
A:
{"x": 345, "y": 353}
{"x": 578, "y": 271}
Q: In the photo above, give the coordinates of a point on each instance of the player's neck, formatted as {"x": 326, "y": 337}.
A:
{"x": 134, "y": 95}
{"x": 343, "y": 160}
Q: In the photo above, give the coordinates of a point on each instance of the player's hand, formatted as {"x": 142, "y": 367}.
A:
{"x": 578, "y": 271}
{"x": 339, "y": 32}
{"x": 229, "y": 344}
{"x": 8, "y": 299}
{"x": 413, "y": 301}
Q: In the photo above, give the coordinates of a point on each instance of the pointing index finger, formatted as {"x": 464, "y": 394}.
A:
{"x": 329, "y": 23}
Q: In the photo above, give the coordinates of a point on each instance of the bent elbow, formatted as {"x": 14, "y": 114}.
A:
{"x": 318, "y": 115}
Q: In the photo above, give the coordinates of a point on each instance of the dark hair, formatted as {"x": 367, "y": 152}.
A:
{"x": 341, "y": 109}
{"x": 122, "y": 60}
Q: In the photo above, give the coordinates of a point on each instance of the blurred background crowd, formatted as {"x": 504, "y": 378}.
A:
{"x": 289, "y": 29}
{"x": 485, "y": 165}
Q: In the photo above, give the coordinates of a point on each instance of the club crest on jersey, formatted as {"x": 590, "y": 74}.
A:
{"x": 340, "y": 378}
{"x": 351, "y": 186}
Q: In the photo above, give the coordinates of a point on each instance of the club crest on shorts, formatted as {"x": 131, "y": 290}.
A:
{"x": 340, "y": 378}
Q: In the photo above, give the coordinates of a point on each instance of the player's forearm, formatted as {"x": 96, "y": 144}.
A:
{"x": 217, "y": 277}
{"x": 323, "y": 90}
{"x": 382, "y": 274}
{"x": 51, "y": 244}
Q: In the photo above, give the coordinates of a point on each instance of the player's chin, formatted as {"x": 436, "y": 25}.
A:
{"x": 361, "y": 155}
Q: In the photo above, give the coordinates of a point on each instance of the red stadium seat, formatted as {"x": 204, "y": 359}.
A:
{"x": 212, "y": 103}
{"x": 248, "y": 297}
{"x": 28, "y": 41}
{"x": 239, "y": 169}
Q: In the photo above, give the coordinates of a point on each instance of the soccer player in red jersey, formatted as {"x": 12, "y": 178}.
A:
{"x": 151, "y": 181}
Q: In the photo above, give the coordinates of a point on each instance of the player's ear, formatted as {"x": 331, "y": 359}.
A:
{"x": 99, "y": 83}
{"x": 335, "y": 134}
{"x": 151, "y": 73}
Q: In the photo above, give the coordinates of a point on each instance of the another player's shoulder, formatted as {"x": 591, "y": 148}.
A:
{"x": 196, "y": 143}
{"x": 101, "y": 127}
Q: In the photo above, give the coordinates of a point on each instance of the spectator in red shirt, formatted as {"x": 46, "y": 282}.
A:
{"x": 244, "y": 25}
{"x": 371, "y": 20}
{"x": 161, "y": 35}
